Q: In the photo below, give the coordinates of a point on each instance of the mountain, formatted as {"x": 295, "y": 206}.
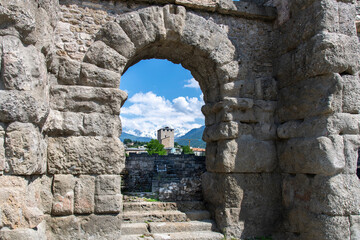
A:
{"x": 125, "y": 135}
{"x": 196, "y": 138}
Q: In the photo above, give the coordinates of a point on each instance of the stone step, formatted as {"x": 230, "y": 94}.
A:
{"x": 198, "y": 215}
{"x": 151, "y": 206}
{"x": 191, "y": 226}
{"x": 134, "y": 228}
{"x": 154, "y": 216}
{"x": 203, "y": 235}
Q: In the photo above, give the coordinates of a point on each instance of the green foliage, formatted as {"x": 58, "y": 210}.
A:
{"x": 154, "y": 146}
{"x": 186, "y": 150}
{"x": 176, "y": 145}
{"x": 126, "y": 141}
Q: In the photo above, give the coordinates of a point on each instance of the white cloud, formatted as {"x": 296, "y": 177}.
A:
{"x": 149, "y": 112}
{"x": 192, "y": 83}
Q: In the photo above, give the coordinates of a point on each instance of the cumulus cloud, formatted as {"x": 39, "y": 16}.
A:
{"x": 148, "y": 112}
{"x": 192, "y": 83}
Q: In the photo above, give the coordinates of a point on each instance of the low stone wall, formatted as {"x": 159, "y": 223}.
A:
{"x": 144, "y": 173}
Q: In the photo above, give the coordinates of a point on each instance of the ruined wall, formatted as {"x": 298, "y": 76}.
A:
{"x": 281, "y": 112}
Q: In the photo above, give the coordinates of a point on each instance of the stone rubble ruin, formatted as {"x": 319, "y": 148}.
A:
{"x": 281, "y": 87}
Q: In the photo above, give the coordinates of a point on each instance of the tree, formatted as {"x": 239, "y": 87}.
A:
{"x": 186, "y": 150}
{"x": 127, "y": 140}
{"x": 154, "y": 146}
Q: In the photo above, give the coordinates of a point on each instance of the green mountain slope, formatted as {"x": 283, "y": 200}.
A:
{"x": 196, "y": 138}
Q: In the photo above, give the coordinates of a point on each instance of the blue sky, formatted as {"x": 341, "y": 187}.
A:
{"x": 160, "y": 94}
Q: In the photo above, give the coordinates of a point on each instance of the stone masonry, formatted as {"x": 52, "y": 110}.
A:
{"x": 281, "y": 87}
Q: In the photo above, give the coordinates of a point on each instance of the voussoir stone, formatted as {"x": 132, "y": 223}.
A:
{"x": 316, "y": 155}
{"x": 104, "y": 56}
{"x": 25, "y": 149}
{"x": 114, "y": 36}
{"x": 174, "y": 19}
{"x": 153, "y": 20}
{"x": 68, "y": 71}
{"x": 85, "y": 155}
{"x": 87, "y": 99}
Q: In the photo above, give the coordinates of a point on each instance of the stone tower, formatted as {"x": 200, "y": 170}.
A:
{"x": 166, "y": 137}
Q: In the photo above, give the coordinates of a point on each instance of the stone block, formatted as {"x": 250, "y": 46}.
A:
{"x": 76, "y": 124}
{"x": 351, "y": 94}
{"x": 312, "y": 97}
{"x": 63, "y": 227}
{"x": 94, "y": 76}
{"x": 69, "y": 71}
{"x": 2, "y": 149}
{"x": 133, "y": 26}
{"x": 22, "y": 106}
{"x": 108, "y": 184}
{"x": 104, "y": 56}
{"x": 244, "y": 154}
{"x": 23, "y": 67}
{"x": 239, "y": 198}
{"x": 351, "y": 150}
{"x": 114, "y": 36}
{"x": 84, "y": 195}
{"x": 312, "y": 226}
{"x": 324, "y": 54}
{"x": 153, "y": 20}
{"x": 102, "y": 226}
{"x": 318, "y": 155}
{"x": 63, "y": 189}
{"x": 221, "y": 131}
{"x": 87, "y": 99}
{"x": 329, "y": 195}
{"x": 174, "y": 20}
{"x": 25, "y": 149}
{"x": 85, "y": 155}
{"x": 336, "y": 124}
{"x": 355, "y": 226}
{"x": 38, "y": 233}
{"x": 108, "y": 203}
{"x": 39, "y": 193}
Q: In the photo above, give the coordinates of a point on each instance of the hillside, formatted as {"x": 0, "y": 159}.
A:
{"x": 133, "y": 137}
{"x": 196, "y": 134}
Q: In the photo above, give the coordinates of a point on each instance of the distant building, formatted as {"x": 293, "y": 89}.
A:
{"x": 135, "y": 150}
{"x": 198, "y": 151}
{"x": 166, "y": 137}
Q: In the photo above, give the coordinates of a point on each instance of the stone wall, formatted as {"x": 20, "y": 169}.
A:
{"x": 144, "y": 173}
{"x": 281, "y": 90}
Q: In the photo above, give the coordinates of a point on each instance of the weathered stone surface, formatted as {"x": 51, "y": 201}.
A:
{"x": 351, "y": 149}
{"x": 153, "y": 20}
{"x": 25, "y": 149}
{"x": 133, "y": 26}
{"x": 325, "y": 53}
{"x": 22, "y": 107}
{"x": 337, "y": 124}
{"x": 174, "y": 19}
{"x": 85, "y": 155}
{"x": 2, "y": 149}
{"x": 87, "y": 99}
{"x": 311, "y": 226}
{"x": 312, "y": 97}
{"x": 82, "y": 124}
{"x": 24, "y": 234}
{"x": 244, "y": 154}
{"x": 39, "y": 193}
{"x": 238, "y": 198}
{"x": 23, "y": 68}
{"x": 114, "y": 36}
{"x": 98, "y": 77}
{"x": 321, "y": 155}
{"x": 355, "y": 226}
{"x": 63, "y": 189}
{"x": 20, "y": 202}
{"x": 351, "y": 93}
{"x": 68, "y": 71}
{"x": 104, "y": 56}
{"x": 103, "y": 226}
{"x": 84, "y": 195}
{"x": 108, "y": 185}
{"x": 224, "y": 130}
{"x": 333, "y": 195}
{"x": 108, "y": 203}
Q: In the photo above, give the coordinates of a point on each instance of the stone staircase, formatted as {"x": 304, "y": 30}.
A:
{"x": 167, "y": 220}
